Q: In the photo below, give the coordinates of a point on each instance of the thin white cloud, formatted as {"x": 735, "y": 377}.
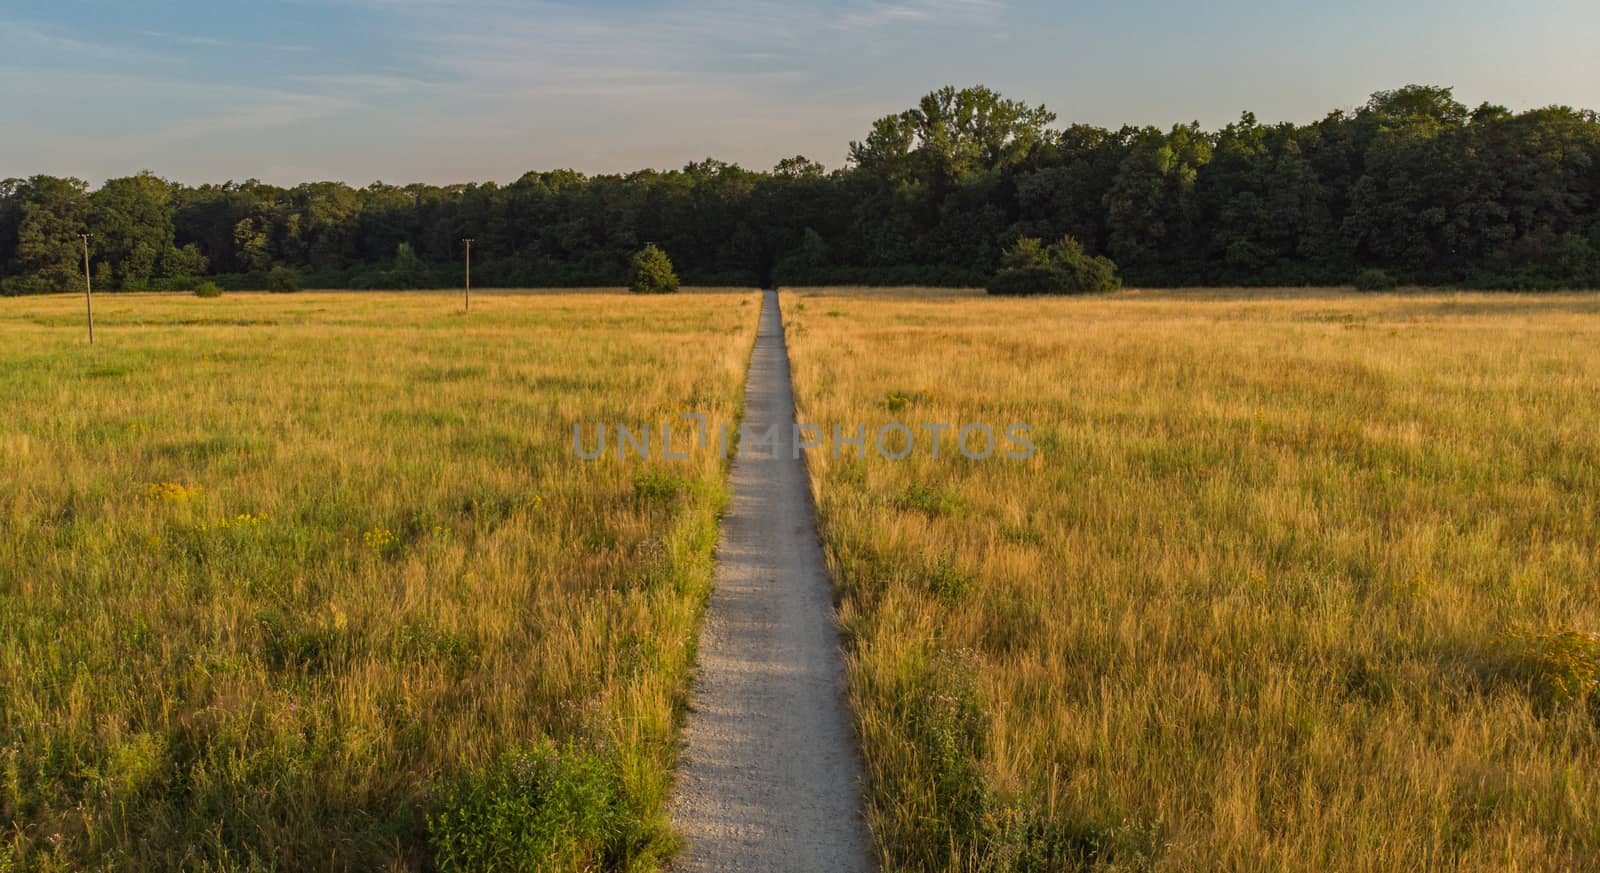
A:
{"x": 359, "y": 85}
{"x": 561, "y": 84}
{"x": 735, "y": 55}
{"x": 197, "y": 109}
{"x": 186, "y": 39}
{"x": 924, "y": 12}
{"x": 703, "y": 52}
{"x": 204, "y": 41}
{"x": 24, "y": 35}
{"x": 266, "y": 111}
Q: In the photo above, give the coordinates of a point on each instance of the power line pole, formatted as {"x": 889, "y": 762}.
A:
{"x": 88, "y": 292}
{"x": 466, "y": 300}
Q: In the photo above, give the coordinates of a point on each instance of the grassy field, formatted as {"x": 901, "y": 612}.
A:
{"x": 314, "y": 581}
{"x": 1294, "y": 582}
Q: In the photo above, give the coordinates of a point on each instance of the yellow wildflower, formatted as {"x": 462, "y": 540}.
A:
{"x": 172, "y": 492}
{"x": 243, "y": 520}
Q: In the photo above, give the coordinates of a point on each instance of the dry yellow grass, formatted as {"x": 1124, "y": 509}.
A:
{"x": 282, "y": 578}
{"x": 1297, "y": 581}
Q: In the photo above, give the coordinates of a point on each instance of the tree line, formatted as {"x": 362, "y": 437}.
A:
{"x": 1412, "y": 183}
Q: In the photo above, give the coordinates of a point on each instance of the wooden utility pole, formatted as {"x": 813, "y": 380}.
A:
{"x": 466, "y": 300}
{"x": 88, "y": 292}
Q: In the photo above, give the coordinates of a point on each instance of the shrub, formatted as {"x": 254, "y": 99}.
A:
{"x": 208, "y": 290}
{"x": 545, "y": 809}
{"x": 1062, "y": 267}
{"x": 1374, "y": 280}
{"x": 896, "y": 401}
{"x": 1555, "y": 664}
{"x": 652, "y": 273}
{"x": 1022, "y": 281}
{"x": 930, "y": 500}
{"x": 658, "y": 487}
{"x": 282, "y": 279}
{"x": 938, "y": 716}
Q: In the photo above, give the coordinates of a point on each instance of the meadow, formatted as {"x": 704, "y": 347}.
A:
{"x": 1294, "y": 580}
{"x": 314, "y": 581}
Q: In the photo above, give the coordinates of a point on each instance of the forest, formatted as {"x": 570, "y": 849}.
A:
{"x": 1412, "y": 183}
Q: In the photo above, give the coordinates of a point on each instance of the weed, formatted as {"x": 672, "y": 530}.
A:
{"x": 899, "y": 401}
{"x": 1374, "y": 280}
{"x": 1557, "y": 665}
{"x": 947, "y": 581}
{"x": 1021, "y": 534}
{"x": 380, "y": 540}
{"x": 658, "y": 487}
{"x": 243, "y": 521}
{"x": 930, "y": 500}
{"x": 173, "y": 492}
{"x": 542, "y": 810}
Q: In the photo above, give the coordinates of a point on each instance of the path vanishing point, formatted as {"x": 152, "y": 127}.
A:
{"x": 770, "y": 779}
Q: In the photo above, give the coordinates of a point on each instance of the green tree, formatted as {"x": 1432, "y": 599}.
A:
{"x": 183, "y": 261}
{"x": 1065, "y": 194}
{"x": 51, "y": 214}
{"x": 1062, "y": 267}
{"x": 1152, "y": 211}
{"x": 1298, "y": 228}
{"x": 798, "y": 167}
{"x": 1232, "y": 192}
{"x": 1415, "y": 104}
{"x": 652, "y": 272}
{"x": 10, "y": 217}
{"x": 282, "y": 279}
{"x": 806, "y": 260}
{"x": 1401, "y": 205}
{"x": 408, "y": 270}
{"x": 953, "y": 135}
{"x": 328, "y": 222}
{"x": 131, "y": 219}
{"x": 252, "y": 244}
{"x": 208, "y": 216}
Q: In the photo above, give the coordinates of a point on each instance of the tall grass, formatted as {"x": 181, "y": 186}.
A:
{"x": 1294, "y": 582}
{"x": 316, "y": 582}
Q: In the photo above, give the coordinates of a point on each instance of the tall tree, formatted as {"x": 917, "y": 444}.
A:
{"x": 953, "y": 135}
{"x": 131, "y": 219}
{"x": 1152, "y": 211}
{"x": 51, "y": 215}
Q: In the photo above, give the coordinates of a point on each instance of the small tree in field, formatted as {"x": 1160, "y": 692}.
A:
{"x": 1374, "y": 280}
{"x": 652, "y": 272}
{"x": 408, "y": 270}
{"x": 282, "y": 280}
{"x": 1030, "y": 267}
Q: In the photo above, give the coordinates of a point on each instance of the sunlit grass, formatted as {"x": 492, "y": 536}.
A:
{"x": 282, "y": 578}
{"x": 1297, "y": 581}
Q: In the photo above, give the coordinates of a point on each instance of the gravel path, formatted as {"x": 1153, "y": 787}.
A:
{"x": 769, "y": 779}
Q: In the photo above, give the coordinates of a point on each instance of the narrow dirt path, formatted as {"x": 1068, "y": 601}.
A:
{"x": 769, "y": 779}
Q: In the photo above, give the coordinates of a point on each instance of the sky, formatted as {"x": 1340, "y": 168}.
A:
{"x": 287, "y": 91}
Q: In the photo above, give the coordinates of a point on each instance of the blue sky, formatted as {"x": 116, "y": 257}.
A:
{"x": 467, "y": 90}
